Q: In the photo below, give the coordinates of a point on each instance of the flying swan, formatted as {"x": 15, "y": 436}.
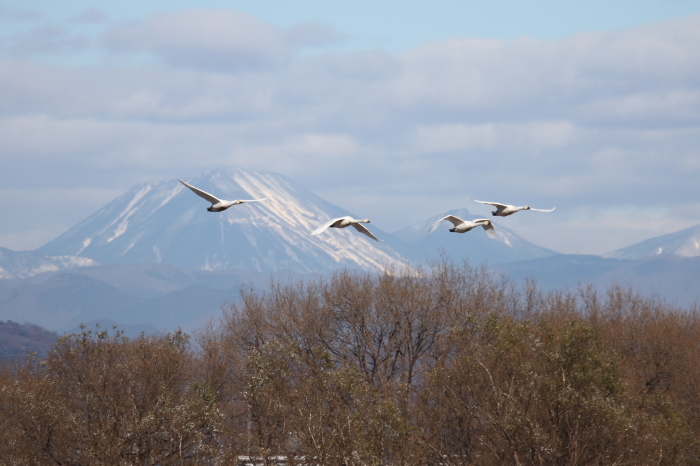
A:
{"x": 504, "y": 210}
{"x": 217, "y": 205}
{"x": 463, "y": 226}
{"x": 342, "y": 222}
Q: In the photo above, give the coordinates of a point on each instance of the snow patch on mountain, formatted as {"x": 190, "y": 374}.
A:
{"x": 86, "y": 243}
{"x": 27, "y": 263}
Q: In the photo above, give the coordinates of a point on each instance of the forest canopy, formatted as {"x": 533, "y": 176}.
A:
{"x": 449, "y": 364}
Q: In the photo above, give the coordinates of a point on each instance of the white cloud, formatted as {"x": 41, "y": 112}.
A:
{"x": 222, "y": 40}
{"x": 456, "y": 137}
{"x": 594, "y": 121}
{"x": 213, "y": 39}
{"x": 89, "y": 16}
{"x": 46, "y": 39}
{"x": 19, "y": 14}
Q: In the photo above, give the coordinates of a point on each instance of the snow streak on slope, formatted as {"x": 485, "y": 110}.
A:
{"x": 27, "y": 263}
{"x": 165, "y": 222}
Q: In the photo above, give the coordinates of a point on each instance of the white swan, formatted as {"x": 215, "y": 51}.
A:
{"x": 463, "y": 226}
{"x": 342, "y": 222}
{"x": 504, "y": 210}
{"x": 217, "y": 205}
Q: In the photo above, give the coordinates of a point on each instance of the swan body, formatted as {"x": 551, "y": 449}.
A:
{"x": 342, "y": 222}
{"x": 217, "y": 205}
{"x": 504, "y": 210}
{"x": 463, "y": 226}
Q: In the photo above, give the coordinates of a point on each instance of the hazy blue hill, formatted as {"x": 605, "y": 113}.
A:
{"x": 17, "y": 340}
{"x": 563, "y": 270}
{"x": 672, "y": 278}
{"x": 138, "y": 296}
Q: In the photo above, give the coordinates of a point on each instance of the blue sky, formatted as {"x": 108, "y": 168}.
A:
{"x": 397, "y": 24}
{"x": 592, "y": 107}
{"x": 394, "y": 25}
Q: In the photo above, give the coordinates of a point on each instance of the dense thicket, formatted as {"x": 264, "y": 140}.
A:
{"x": 448, "y": 365}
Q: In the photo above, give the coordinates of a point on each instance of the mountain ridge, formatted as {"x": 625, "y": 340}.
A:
{"x": 682, "y": 243}
{"x": 164, "y": 222}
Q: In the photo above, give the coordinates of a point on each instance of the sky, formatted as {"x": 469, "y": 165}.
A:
{"x": 396, "y": 111}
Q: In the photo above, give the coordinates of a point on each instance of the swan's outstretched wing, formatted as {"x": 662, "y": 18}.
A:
{"x": 325, "y": 226}
{"x": 490, "y": 230}
{"x": 495, "y": 204}
{"x": 361, "y": 228}
{"x": 202, "y": 194}
{"x": 455, "y": 221}
{"x": 543, "y": 210}
{"x": 253, "y": 200}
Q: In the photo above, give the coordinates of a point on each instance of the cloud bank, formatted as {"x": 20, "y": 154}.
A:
{"x": 602, "y": 125}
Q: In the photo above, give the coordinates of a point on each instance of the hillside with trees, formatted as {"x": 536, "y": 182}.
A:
{"x": 18, "y": 340}
{"x": 444, "y": 365}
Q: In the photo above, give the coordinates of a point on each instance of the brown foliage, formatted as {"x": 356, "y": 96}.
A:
{"x": 101, "y": 399}
{"x": 448, "y": 365}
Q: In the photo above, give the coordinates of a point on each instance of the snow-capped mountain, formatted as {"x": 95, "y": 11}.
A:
{"x": 474, "y": 245}
{"x": 684, "y": 243}
{"x": 164, "y": 222}
{"x": 28, "y": 263}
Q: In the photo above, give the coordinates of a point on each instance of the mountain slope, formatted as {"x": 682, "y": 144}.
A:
{"x": 17, "y": 341}
{"x": 166, "y": 298}
{"x": 562, "y": 271}
{"x": 673, "y": 278}
{"x": 684, "y": 243}
{"x": 474, "y": 245}
{"x": 164, "y": 222}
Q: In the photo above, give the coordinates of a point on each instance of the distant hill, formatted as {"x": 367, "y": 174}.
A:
{"x": 684, "y": 243}
{"x": 562, "y": 271}
{"x": 139, "y": 296}
{"x": 672, "y": 278}
{"x": 17, "y": 340}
